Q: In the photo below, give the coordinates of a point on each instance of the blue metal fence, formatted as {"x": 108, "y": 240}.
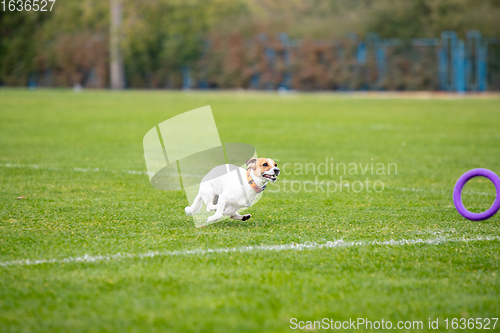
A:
{"x": 461, "y": 65}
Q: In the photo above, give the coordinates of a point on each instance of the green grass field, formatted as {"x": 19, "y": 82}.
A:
{"x": 78, "y": 160}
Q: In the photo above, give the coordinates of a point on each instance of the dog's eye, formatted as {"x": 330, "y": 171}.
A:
{"x": 265, "y": 164}
{"x": 276, "y": 164}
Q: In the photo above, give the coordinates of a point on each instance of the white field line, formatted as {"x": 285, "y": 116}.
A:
{"x": 53, "y": 168}
{"x": 292, "y": 247}
{"x": 42, "y": 167}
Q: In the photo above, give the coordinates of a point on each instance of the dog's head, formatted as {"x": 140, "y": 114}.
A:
{"x": 264, "y": 168}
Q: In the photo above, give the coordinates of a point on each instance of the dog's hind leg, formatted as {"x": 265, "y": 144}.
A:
{"x": 212, "y": 204}
{"x": 195, "y": 207}
{"x": 221, "y": 204}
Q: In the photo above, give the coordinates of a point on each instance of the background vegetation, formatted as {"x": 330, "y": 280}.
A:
{"x": 69, "y": 45}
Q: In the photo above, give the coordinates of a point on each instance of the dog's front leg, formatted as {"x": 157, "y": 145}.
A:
{"x": 221, "y": 204}
{"x": 231, "y": 211}
{"x": 237, "y": 216}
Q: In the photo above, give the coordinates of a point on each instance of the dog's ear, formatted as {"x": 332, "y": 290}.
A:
{"x": 252, "y": 163}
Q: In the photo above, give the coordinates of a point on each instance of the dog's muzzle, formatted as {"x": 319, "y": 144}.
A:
{"x": 272, "y": 177}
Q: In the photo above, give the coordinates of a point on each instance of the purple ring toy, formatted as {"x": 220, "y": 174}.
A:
{"x": 457, "y": 194}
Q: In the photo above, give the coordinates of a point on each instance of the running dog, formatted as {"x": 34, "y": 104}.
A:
{"x": 234, "y": 188}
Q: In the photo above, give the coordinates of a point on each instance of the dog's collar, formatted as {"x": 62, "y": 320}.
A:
{"x": 251, "y": 182}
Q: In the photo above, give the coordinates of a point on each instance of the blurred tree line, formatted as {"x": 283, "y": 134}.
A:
{"x": 70, "y": 45}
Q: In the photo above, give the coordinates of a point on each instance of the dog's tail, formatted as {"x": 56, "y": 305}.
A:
{"x": 195, "y": 207}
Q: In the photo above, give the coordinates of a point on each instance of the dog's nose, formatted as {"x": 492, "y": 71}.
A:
{"x": 276, "y": 171}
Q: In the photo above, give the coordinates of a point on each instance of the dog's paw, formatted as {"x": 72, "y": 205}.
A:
{"x": 246, "y": 217}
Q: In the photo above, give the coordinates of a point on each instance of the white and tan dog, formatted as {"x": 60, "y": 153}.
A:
{"x": 228, "y": 188}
